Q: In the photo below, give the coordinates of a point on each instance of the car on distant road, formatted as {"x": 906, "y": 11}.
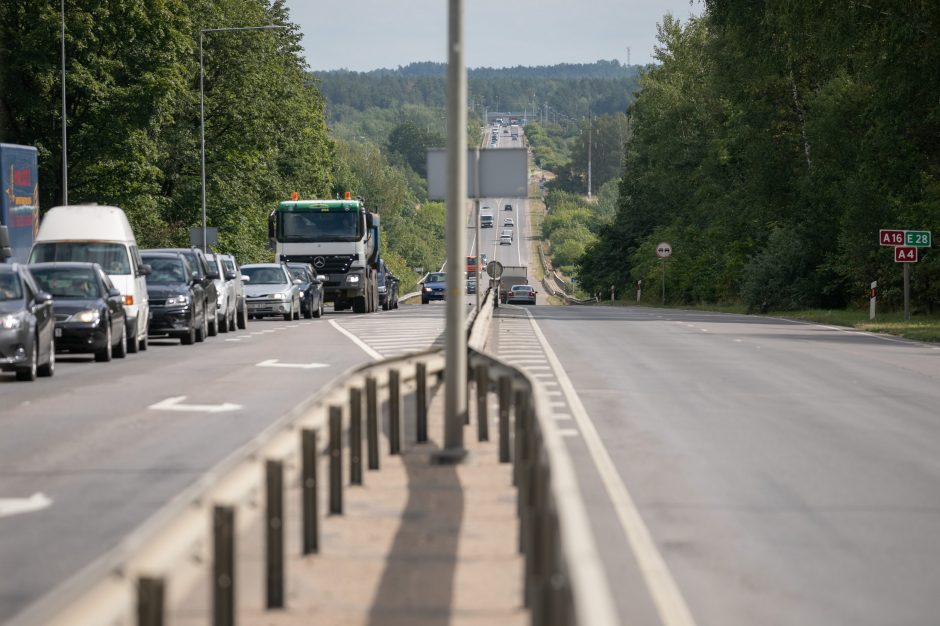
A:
{"x": 521, "y": 294}
{"x": 508, "y": 222}
{"x": 271, "y": 290}
{"x": 27, "y": 325}
{"x": 177, "y": 298}
{"x": 434, "y": 287}
{"x": 508, "y": 207}
{"x": 471, "y": 283}
{"x": 505, "y": 237}
{"x": 388, "y": 287}
{"x": 88, "y": 308}
{"x": 311, "y": 289}
{"x": 225, "y": 308}
{"x": 233, "y": 274}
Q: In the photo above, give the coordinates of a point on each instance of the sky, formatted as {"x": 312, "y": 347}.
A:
{"x": 363, "y": 35}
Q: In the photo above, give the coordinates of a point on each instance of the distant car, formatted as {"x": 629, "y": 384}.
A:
{"x": 206, "y": 277}
{"x": 509, "y": 222}
{"x": 89, "y": 309}
{"x": 471, "y": 283}
{"x": 311, "y": 289}
{"x": 434, "y": 287}
{"x": 388, "y": 287}
{"x": 521, "y": 294}
{"x": 225, "y": 307}
{"x": 233, "y": 274}
{"x": 505, "y": 131}
{"x": 27, "y": 325}
{"x": 177, "y": 298}
{"x": 505, "y": 238}
{"x": 271, "y": 290}
{"x": 508, "y": 207}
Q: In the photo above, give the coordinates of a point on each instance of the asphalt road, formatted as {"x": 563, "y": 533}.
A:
{"x": 765, "y": 471}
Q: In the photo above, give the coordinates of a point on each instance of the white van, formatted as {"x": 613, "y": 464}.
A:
{"x": 100, "y": 234}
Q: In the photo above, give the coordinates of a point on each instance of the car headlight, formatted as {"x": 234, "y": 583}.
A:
{"x": 180, "y": 300}
{"x": 352, "y": 279}
{"x": 427, "y": 289}
{"x": 87, "y": 316}
{"x": 11, "y": 322}
{"x": 277, "y": 296}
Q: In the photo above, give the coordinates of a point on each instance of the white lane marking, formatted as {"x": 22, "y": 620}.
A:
{"x": 365, "y": 348}
{"x": 239, "y": 339}
{"x": 671, "y": 606}
{"x": 561, "y": 417}
{"x": 704, "y": 330}
{"x": 16, "y": 506}
{"x": 739, "y": 341}
{"x": 175, "y": 404}
{"x": 568, "y": 432}
{"x": 303, "y": 366}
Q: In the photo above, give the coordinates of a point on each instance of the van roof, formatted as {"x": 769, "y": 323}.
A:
{"x": 85, "y": 222}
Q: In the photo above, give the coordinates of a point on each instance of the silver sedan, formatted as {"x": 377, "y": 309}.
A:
{"x": 521, "y": 294}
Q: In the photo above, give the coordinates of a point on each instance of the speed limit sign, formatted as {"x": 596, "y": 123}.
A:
{"x": 663, "y": 249}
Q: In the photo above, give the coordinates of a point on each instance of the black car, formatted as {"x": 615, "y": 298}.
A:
{"x": 89, "y": 309}
{"x": 27, "y": 325}
{"x": 205, "y": 276}
{"x": 177, "y": 298}
{"x": 388, "y": 287}
{"x": 311, "y": 289}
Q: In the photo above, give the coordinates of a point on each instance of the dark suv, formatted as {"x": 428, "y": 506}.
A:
{"x": 205, "y": 275}
{"x": 177, "y": 299}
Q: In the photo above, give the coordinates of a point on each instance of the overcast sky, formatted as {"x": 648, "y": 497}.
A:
{"x": 369, "y": 34}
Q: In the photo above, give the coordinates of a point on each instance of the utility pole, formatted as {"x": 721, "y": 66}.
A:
{"x": 65, "y": 159}
{"x": 589, "y": 151}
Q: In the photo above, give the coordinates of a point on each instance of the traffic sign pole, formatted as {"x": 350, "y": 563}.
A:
{"x": 907, "y": 292}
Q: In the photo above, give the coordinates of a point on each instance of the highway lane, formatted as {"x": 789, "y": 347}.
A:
{"x": 87, "y": 439}
{"x": 785, "y": 473}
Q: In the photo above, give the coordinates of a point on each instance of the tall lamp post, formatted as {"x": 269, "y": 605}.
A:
{"x": 65, "y": 161}
{"x": 202, "y": 111}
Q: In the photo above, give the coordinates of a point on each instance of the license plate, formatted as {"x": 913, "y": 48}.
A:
{"x": 58, "y": 332}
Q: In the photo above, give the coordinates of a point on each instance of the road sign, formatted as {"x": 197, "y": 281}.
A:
{"x": 917, "y": 238}
{"x": 905, "y": 254}
{"x": 494, "y": 269}
{"x": 891, "y": 237}
{"x": 663, "y": 249}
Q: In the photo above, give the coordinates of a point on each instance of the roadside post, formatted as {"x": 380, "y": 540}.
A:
{"x": 639, "y": 290}
{"x": 663, "y": 251}
{"x": 907, "y": 245}
{"x": 871, "y": 302}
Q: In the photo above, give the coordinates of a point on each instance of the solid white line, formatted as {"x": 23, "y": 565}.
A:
{"x": 375, "y": 355}
{"x": 671, "y": 606}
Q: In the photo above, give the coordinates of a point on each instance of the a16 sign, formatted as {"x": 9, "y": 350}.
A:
{"x": 888, "y": 237}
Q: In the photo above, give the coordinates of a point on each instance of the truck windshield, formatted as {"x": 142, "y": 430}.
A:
{"x": 112, "y": 257}
{"x": 303, "y": 226}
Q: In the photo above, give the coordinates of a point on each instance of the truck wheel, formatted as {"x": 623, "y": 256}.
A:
{"x": 359, "y": 304}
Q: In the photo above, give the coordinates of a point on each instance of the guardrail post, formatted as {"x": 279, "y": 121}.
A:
{"x": 150, "y": 603}
{"x": 355, "y": 436}
{"x": 223, "y": 566}
{"x": 274, "y": 543}
{"x": 519, "y": 423}
{"x": 336, "y": 460}
{"x": 505, "y": 397}
{"x": 536, "y": 549}
{"x": 483, "y": 387}
{"x": 394, "y": 412}
{"x": 421, "y": 400}
{"x": 308, "y": 491}
{"x": 372, "y": 422}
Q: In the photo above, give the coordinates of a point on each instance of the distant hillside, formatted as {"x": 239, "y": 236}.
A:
{"x": 567, "y": 91}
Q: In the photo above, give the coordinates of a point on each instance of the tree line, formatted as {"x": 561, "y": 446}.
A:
{"x": 769, "y": 145}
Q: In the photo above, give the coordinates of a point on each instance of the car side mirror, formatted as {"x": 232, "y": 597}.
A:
{"x": 230, "y": 275}
{"x": 297, "y": 281}
{"x": 321, "y": 278}
{"x": 194, "y": 277}
{"x": 113, "y": 292}
{"x": 212, "y": 275}
{"x": 145, "y": 270}
{"x": 245, "y": 278}
{"x": 42, "y": 297}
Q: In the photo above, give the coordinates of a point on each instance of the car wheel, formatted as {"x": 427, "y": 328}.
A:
{"x": 144, "y": 343}
{"x": 132, "y": 346}
{"x": 319, "y": 312}
{"x": 120, "y": 351}
{"x": 189, "y": 338}
{"x": 222, "y": 323}
{"x": 48, "y": 369}
{"x": 242, "y": 317}
{"x": 214, "y": 325}
{"x": 295, "y": 311}
{"x": 308, "y": 310}
{"x": 29, "y": 372}
{"x": 203, "y": 330}
{"x": 232, "y": 325}
{"x": 104, "y": 355}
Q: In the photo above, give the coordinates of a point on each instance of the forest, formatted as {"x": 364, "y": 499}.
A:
{"x": 768, "y": 145}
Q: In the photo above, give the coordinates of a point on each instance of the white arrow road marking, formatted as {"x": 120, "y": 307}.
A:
{"x": 303, "y": 366}
{"x": 14, "y": 506}
{"x": 174, "y": 404}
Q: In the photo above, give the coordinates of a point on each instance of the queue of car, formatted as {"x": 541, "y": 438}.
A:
{"x": 89, "y": 289}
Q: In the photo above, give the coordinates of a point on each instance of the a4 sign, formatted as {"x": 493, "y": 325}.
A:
{"x": 906, "y": 243}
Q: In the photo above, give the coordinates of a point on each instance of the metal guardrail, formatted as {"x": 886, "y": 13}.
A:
{"x": 194, "y": 536}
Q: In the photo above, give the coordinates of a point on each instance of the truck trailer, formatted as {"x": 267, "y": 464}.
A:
{"x": 19, "y": 201}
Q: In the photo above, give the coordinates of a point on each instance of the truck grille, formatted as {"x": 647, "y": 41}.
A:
{"x": 324, "y": 263}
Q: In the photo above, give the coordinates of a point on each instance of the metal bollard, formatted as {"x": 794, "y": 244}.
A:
{"x": 355, "y": 436}
{"x": 150, "y": 601}
{"x": 421, "y": 400}
{"x": 394, "y": 412}
{"x": 505, "y": 397}
{"x": 372, "y": 422}
{"x": 274, "y": 540}
{"x": 308, "y": 491}
{"x": 223, "y": 566}
{"x": 482, "y": 372}
{"x": 336, "y": 460}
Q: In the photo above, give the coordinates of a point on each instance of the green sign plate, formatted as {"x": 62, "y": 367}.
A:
{"x": 917, "y": 238}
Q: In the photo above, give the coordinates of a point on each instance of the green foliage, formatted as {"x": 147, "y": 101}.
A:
{"x": 412, "y": 143}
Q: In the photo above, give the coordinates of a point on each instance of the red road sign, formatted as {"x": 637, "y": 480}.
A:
{"x": 905, "y": 254}
{"x": 887, "y": 237}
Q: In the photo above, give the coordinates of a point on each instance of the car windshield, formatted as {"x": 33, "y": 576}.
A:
{"x": 112, "y": 257}
{"x": 436, "y": 277}
{"x": 264, "y": 275}
{"x": 522, "y": 288}
{"x": 300, "y": 274}
{"x": 67, "y": 282}
{"x": 229, "y": 265}
{"x": 165, "y": 271}
{"x": 10, "y": 288}
{"x": 303, "y": 226}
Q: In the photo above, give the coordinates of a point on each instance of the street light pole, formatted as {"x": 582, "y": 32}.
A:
{"x": 65, "y": 161}
{"x": 202, "y": 112}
